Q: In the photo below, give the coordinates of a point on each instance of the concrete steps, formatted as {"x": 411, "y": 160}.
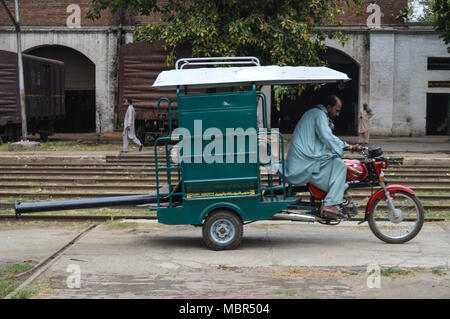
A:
{"x": 134, "y": 174}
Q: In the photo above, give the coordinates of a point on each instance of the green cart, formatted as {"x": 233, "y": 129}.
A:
{"x": 222, "y": 167}
{"x": 230, "y": 168}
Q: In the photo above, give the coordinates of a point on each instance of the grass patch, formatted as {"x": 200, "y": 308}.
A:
{"x": 8, "y": 283}
{"x": 314, "y": 273}
{"x": 7, "y": 287}
{"x": 70, "y": 225}
{"x": 429, "y": 214}
{"x": 69, "y": 146}
{"x": 438, "y": 272}
{"x": 432, "y": 193}
{"x": 395, "y": 272}
{"x": 118, "y": 224}
{"x": 42, "y": 224}
{"x": 290, "y": 293}
{"x": 26, "y": 293}
{"x": 16, "y": 269}
{"x": 97, "y": 212}
{"x": 227, "y": 268}
{"x": 284, "y": 293}
{"x": 435, "y": 203}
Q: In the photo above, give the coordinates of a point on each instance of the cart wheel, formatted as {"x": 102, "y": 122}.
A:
{"x": 222, "y": 230}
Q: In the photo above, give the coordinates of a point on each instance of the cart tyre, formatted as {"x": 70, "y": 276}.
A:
{"x": 222, "y": 230}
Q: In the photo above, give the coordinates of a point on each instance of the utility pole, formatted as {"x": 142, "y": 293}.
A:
{"x": 23, "y": 108}
{"x": 16, "y": 23}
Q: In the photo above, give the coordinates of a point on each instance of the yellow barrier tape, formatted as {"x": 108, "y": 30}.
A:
{"x": 197, "y": 195}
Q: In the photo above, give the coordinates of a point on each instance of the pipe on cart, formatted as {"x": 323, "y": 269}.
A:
{"x": 294, "y": 217}
{"x": 21, "y": 208}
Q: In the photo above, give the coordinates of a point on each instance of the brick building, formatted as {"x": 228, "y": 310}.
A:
{"x": 381, "y": 56}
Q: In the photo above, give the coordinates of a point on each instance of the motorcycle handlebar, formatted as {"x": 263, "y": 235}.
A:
{"x": 351, "y": 149}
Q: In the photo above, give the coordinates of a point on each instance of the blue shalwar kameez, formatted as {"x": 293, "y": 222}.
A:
{"x": 308, "y": 160}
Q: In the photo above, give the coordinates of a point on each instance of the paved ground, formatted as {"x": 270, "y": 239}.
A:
{"x": 427, "y": 144}
{"x": 275, "y": 259}
{"x": 32, "y": 243}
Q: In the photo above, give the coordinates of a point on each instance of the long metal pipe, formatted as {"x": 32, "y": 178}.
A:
{"x": 294, "y": 217}
{"x": 21, "y": 208}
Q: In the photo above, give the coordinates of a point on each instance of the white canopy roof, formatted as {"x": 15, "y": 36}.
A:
{"x": 237, "y": 76}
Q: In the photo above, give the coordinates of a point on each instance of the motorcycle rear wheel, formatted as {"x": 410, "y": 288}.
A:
{"x": 397, "y": 232}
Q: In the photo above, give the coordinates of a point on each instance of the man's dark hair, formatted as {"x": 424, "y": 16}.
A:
{"x": 331, "y": 100}
{"x": 129, "y": 100}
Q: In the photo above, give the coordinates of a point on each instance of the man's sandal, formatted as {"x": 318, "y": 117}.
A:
{"x": 331, "y": 215}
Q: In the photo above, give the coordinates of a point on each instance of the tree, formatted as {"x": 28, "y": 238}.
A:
{"x": 428, "y": 14}
{"x": 441, "y": 10}
{"x": 437, "y": 12}
{"x": 426, "y": 8}
{"x": 278, "y": 32}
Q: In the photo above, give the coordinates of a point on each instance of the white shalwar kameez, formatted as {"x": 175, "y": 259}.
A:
{"x": 129, "y": 134}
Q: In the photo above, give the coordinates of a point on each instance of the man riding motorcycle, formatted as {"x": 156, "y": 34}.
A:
{"x": 315, "y": 154}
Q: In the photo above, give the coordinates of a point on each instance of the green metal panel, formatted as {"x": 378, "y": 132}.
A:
{"x": 221, "y": 125}
{"x": 194, "y": 211}
{"x": 233, "y": 167}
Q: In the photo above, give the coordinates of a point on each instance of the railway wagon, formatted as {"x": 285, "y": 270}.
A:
{"x": 139, "y": 65}
{"x": 44, "y": 81}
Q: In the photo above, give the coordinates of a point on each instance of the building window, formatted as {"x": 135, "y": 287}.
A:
{"x": 439, "y": 64}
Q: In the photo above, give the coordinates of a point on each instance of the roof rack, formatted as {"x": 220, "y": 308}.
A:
{"x": 241, "y": 60}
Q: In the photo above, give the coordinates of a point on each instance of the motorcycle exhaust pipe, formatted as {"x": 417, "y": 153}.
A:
{"x": 21, "y": 208}
{"x": 294, "y": 217}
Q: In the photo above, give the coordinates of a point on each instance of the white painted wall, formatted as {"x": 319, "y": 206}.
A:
{"x": 381, "y": 95}
{"x": 394, "y": 76}
{"x": 412, "y": 52}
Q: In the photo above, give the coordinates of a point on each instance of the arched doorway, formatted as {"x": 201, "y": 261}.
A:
{"x": 79, "y": 88}
{"x": 293, "y": 107}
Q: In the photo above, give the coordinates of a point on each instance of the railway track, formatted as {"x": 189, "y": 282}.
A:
{"x": 105, "y": 218}
{"x": 131, "y": 175}
{"x": 75, "y": 218}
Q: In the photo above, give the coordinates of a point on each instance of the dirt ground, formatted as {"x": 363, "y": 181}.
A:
{"x": 275, "y": 260}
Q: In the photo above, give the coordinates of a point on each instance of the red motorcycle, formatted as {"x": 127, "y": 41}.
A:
{"x": 394, "y": 212}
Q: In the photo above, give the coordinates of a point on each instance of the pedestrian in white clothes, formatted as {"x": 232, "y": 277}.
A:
{"x": 128, "y": 126}
{"x": 364, "y": 124}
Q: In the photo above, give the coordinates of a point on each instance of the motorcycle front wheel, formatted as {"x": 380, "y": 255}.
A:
{"x": 400, "y": 230}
